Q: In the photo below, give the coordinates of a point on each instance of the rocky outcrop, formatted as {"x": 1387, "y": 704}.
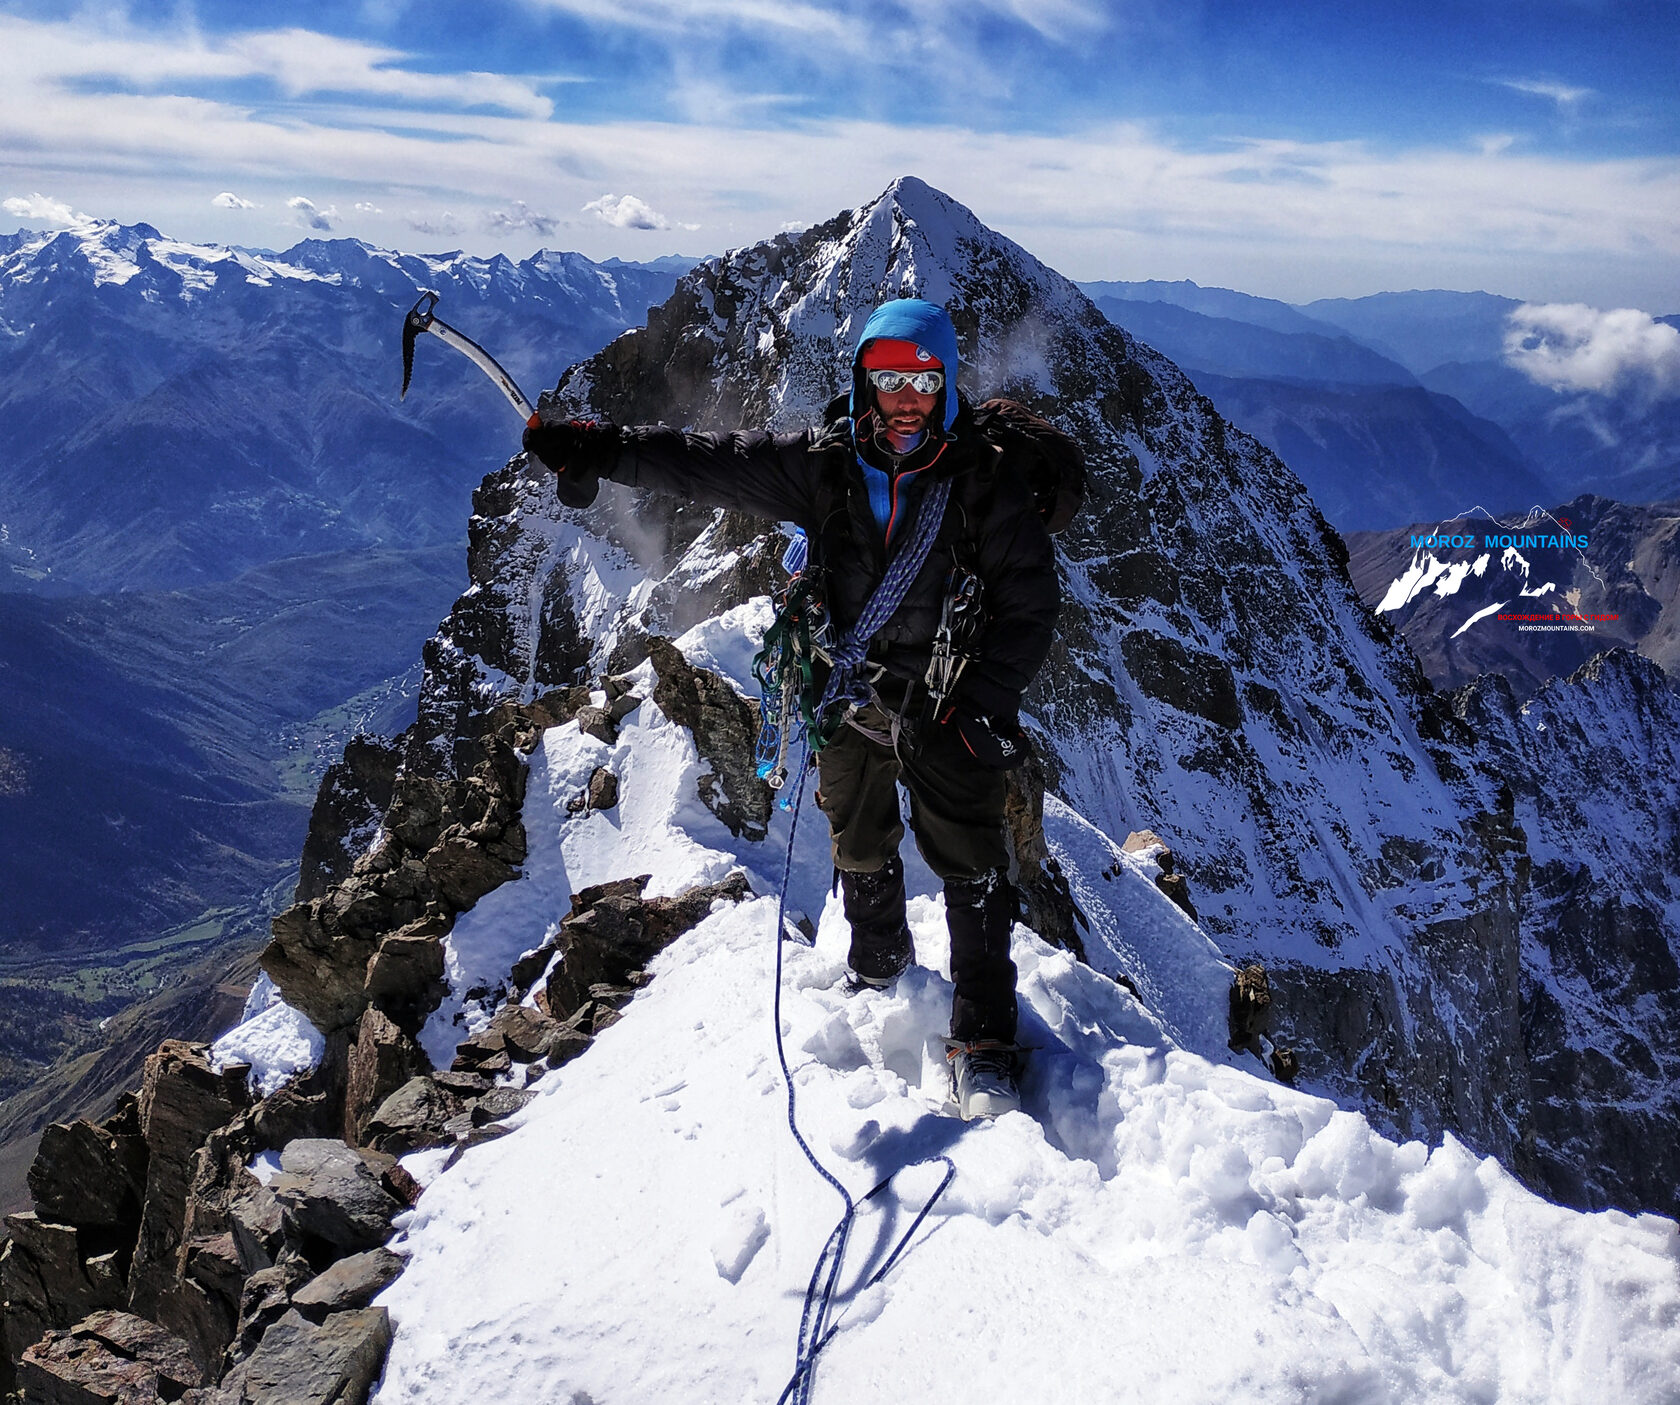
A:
{"x": 450, "y": 834}
{"x": 725, "y": 729}
{"x": 111, "y": 1357}
{"x": 351, "y": 802}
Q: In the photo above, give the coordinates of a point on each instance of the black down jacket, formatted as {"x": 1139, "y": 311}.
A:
{"x": 813, "y": 479}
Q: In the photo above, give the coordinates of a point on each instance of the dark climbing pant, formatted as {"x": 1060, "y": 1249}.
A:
{"x": 956, "y": 813}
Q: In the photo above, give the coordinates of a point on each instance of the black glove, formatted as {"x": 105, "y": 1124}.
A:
{"x": 565, "y": 448}
{"x": 995, "y": 743}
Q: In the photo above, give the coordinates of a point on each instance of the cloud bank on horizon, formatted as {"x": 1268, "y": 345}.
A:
{"x": 1312, "y": 153}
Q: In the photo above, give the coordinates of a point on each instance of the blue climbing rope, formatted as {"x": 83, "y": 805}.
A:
{"x": 815, "y": 1331}
{"x": 847, "y": 684}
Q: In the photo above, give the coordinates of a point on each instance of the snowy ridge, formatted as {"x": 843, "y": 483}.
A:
{"x": 115, "y": 254}
{"x": 646, "y": 1231}
{"x": 1218, "y": 679}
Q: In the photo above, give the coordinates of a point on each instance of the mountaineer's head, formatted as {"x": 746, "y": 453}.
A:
{"x": 905, "y": 368}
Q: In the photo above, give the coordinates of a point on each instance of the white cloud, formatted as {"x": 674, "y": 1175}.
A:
{"x": 304, "y": 62}
{"x": 1566, "y": 97}
{"x": 227, "y": 200}
{"x": 43, "y": 209}
{"x": 443, "y": 223}
{"x": 626, "y": 212}
{"x": 1103, "y": 199}
{"x": 311, "y": 215}
{"x": 520, "y": 216}
{"x": 1569, "y": 346}
{"x": 367, "y": 207}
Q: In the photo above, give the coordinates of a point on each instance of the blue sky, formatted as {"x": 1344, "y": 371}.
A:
{"x": 1294, "y": 150}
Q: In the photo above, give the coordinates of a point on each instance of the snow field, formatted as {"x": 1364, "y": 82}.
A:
{"x": 1159, "y": 1223}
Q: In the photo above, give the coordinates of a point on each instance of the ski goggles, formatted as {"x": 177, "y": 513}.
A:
{"x": 922, "y": 382}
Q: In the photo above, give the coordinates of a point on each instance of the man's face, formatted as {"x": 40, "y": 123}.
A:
{"x": 905, "y": 412}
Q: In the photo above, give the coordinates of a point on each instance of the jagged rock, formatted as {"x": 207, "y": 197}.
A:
{"x": 320, "y": 972}
{"x": 414, "y": 1116}
{"x": 1251, "y": 1006}
{"x": 1251, "y": 1022}
{"x": 1174, "y": 885}
{"x": 600, "y": 794}
{"x": 182, "y": 1101}
{"x": 256, "y": 1223}
{"x": 497, "y": 1104}
{"x": 46, "y": 1280}
{"x": 612, "y": 930}
{"x": 110, "y": 1357}
{"x": 354, "y": 793}
{"x": 725, "y": 729}
{"x": 603, "y": 789}
{"x": 350, "y": 1283}
{"x": 400, "y": 1183}
{"x": 382, "y": 1059}
{"x": 88, "y": 1176}
{"x": 464, "y": 869}
{"x": 1141, "y": 841}
{"x": 301, "y": 1363}
{"x": 330, "y": 1196}
{"x": 514, "y": 1032}
{"x": 597, "y": 722}
{"x": 266, "y": 1298}
{"x": 1177, "y": 888}
{"x": 405, "y": 976}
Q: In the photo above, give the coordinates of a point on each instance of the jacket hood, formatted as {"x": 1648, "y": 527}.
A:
{"x": 929, "y": 326}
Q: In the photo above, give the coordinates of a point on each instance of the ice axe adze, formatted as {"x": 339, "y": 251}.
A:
{"x": 422, "y": 318}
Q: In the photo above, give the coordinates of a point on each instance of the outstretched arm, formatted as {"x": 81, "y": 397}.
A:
{"x": 766, "y": 475}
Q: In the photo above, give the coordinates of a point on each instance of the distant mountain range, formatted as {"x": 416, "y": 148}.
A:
{"x": 1402, "y": 407}
{"x": 174, "y": 413}
{"x": 222, "y": 541}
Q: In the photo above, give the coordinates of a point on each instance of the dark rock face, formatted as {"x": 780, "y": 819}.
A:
{"x": 108, "y": 1357}
{"x": 90, "y": 1176}
{"x": 725, "y": 728}
{"x": 354, "y": 795}
{"x": 613, "y": 931}
{"x": 328, "y": 1193}
{"x": 300, "y": 1363}
{"x": 1590, "y": 786}
{"x": 451, "y": 834}
{"x": 182, "y": 1100}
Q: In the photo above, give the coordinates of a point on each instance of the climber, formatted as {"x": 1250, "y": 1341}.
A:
{"x": 855, "y": 486}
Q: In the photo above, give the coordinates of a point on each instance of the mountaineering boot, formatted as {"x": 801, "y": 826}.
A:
{"x": 985, "y": 1078}
{"x": 979, "y": 912}
{"x": 874, "y": 902}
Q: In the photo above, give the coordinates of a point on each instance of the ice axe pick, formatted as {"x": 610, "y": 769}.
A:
{"x": 422, "y": 317}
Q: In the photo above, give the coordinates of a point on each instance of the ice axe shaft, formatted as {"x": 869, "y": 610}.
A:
{"x": 422, "y": 317}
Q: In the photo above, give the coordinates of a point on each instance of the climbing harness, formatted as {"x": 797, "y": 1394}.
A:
{"x": 802, "y": 633}
{"x": 815, "y": 1330}
{"x": 785, "y": 669}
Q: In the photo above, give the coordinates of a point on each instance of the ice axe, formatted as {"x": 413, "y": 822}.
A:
{"x": 422, "y": 317}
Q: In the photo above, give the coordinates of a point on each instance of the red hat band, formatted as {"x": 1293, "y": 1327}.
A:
{"x": 891, "y": 354}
